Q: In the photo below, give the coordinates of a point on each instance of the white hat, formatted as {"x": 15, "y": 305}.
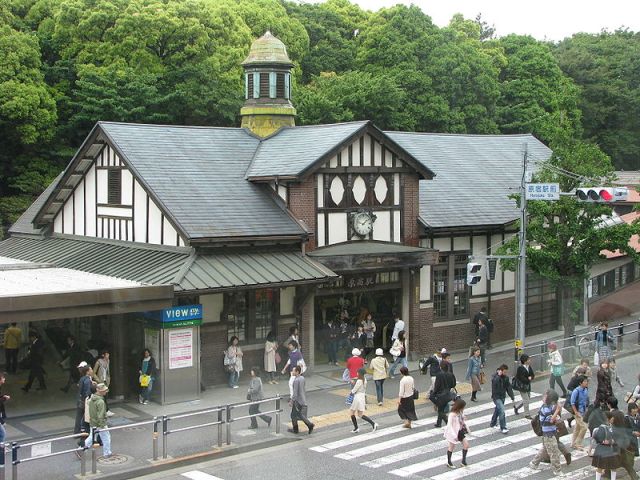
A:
{"x": 101, "y": 387}
{"x": 379, "y": 351}
{"x": 355, "y": 352}
{"x": 444, "y": 350}
{"x": 83, "y": 364}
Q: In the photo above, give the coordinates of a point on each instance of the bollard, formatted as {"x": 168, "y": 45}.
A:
{"x": 543, "y": 351}
{"x": 155, "y": 438}
{"x": 14, "y": 460}
{"x": 278, "y": 414}
{"x": 620, "y": 336}
{"x": 94, "y": 458}
{"x": 2, "y": 459}
{"x": 228, "y": 425}
{"x": 83, "y": 462}
{"x": 165, "y": 433}
{"x": 220, "y": 427}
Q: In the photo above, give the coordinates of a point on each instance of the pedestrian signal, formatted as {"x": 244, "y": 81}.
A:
{"x": 473, "y": 275}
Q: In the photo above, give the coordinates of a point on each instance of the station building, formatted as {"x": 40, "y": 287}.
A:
{"x": 176, "y": 238}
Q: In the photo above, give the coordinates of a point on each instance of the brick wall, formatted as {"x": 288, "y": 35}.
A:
{"x": 410, "y": 184}
{"x": 302, "y": 204}
{"x": 427, "y": 339}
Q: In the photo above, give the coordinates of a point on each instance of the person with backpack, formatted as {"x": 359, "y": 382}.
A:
{"x": 579, "y": 402}
{"x": 608, "y": 438}
{"x": 441, "y": 394}
{"x": 548, "y": 415}
{"x": 432, "y": 366}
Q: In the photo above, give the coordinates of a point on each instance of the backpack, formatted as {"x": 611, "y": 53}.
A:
{"x": 536, "y": 425}
{"x": 489, "y": 325}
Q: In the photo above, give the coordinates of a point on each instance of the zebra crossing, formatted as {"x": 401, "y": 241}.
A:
{"x": 420, "y": 452}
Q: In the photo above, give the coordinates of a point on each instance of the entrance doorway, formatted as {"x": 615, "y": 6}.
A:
{"x": 353, "y": 306}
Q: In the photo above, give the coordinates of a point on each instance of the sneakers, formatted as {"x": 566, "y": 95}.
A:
{"x": 146, "y": 402}
{"x": 375, "y": 427}
{"x": 235, "y": 386}
{"x": 559, "y": 474}
{"x": 463, "y": 464}
{"x": 504, "y": 430}
{"x": 355, "y": 430}
{"x": 515, "y": 410}
{"x": 110, "y": 413}
{"x": 379, "y": 404}
{"x": 496, "y": 427}
{"x": 533, "y": 466}
{"x": 451, "y": 465}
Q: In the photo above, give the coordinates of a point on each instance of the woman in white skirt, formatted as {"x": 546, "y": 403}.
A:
{"x": 456, "y": 432}
{"x": 358, "y": 406}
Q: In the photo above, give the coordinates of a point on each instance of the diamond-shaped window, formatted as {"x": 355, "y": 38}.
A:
{"x": 359, "y": 189}
{"x": 381, "y": 189}
{"x": 336, "y": 190}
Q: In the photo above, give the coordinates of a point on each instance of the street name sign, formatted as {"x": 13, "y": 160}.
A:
{"x": 542, "y": 191}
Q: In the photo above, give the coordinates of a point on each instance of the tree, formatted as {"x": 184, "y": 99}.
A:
{"x": 607, "y": 66}
{"x": 566, "y": 237}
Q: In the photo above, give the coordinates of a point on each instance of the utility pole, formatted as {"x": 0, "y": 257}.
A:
{"x": 522, "y": 257}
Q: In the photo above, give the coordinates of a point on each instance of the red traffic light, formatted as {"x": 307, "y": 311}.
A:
{"x": 606, "y": 195}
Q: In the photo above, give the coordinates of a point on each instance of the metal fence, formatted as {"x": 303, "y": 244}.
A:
{"x": 221, "y": 415}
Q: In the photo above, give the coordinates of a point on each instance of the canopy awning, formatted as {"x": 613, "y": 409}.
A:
{"x": 373, "y": 256}
{"x": 31, "y": 291}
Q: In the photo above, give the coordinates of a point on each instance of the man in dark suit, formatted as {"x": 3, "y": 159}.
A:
{"x": 36, "y": 359}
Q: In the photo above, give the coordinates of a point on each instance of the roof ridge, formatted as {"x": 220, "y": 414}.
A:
{"x": 163, "y": 125}
{"x": 444, "y": 134}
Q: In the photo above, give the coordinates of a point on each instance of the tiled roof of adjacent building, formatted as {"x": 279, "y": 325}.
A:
{"x": 475, "y": 174}
{"x": 24, "y": 224}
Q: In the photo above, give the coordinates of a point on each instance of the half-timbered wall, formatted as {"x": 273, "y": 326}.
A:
{"x": 365, "y": 176}
{"x": 135, "y": 217}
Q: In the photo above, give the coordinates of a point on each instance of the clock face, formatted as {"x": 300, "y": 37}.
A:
{"x": 362, "y": 223}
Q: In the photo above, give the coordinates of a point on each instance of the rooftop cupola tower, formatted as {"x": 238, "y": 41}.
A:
{"x": 267, "y": 87}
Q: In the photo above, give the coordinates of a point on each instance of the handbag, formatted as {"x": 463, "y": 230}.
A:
{"x": 516, "y": 384}
{"x": 145, "y": 380}
{"x": 536, "y": 426}
{"x": 483, "y": 377}
{"x": 561, "y": 429}
{"x": 395, "y": 352}
{"x": 349, "y": 400}
{"x": 416, "y": 394}
{"x": 462, "y": 433}
{"x": 278, "y": 358}
{"x": 346, "y": 375}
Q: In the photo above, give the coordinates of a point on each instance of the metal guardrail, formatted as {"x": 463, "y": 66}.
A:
{"x": 223, "y": 417}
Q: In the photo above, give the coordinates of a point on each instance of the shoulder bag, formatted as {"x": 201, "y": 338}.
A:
{"x": 416, "y": 394}
{"x": 483, "y": 377}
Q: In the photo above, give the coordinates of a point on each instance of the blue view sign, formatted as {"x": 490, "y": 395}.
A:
{"x": 182, "y": 313}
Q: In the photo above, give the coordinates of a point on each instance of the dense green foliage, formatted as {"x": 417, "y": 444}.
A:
{"x": 65, "y": 64}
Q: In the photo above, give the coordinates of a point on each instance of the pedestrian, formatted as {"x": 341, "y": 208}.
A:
{"x": 233, "y": 361}
{"x": 354, "y": 363}
{"x": 446, "y": 358}
{"x": 474, "y": 366}
{"x": 343, "y": 340}
{"x": 12, "y": 343}
{"x": 294, "y": 335}
{"x": 295, "y": 358}
{"x": 613, "y": 371}
{"x": 147, "y": 376}
{"x": 483, "y": 340}
{"x": 603, "y": 342}
{"x": 579, "y": 402}
{"x": 3, "y": 413}
{"x": 398, "y": 326}
{"x": 635, "y": 394}
{"x": 358, "y": 338}
{"x": 333, "y": 335}
{"x": 85, "y": 384}
{"x": 604, "y": 390}
{"x": 557, "y": 368}
{"x": 584, "y": 364}
{"x": 270, "y": 350}
{"x": 369, "y": 327}
{"x": 441, "y": 394}
{"x": 98, "y": 420}
{"x": 102, "y": 374}
{"x": 574, "y": 382}
{"x": 358, "y": 405}
{"x": 380, "y": 367}
{"x": 406, "y": 405}
{"x": 632, "y": 429}
{"x": 432, "y": 366}
{"x": 399, "y": 352}
{"x": 607, "y": 452}
{"x": 298, "y": 401}
{"x": 549, "y": 415}
{"x": 481, "y": 315}
{"x": 522, "y": 382}
{"x": 72, "y": 357}
{"x": 456, "y": 432}
{"x": 35, "y": 359}
{"x": 500, "y": 388}
{"x": 254, "y": 394}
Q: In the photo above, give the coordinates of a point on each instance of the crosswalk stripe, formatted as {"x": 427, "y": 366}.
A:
{"x": 391, "y": 430}
{"x": 584, "y": 472}
{"x": 198, "y": 475}
{"x": 493, "y": 462}
{"x": 408, "y": 439}
{"x": 506, "y": 441}
{"x": 414, "y": 452}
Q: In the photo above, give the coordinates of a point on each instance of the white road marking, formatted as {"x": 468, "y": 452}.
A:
{"x": 198, "y": 475}
{"x": 398, "y": 428}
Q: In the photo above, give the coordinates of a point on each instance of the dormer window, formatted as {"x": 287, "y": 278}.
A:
{"x": 114, "y": 187}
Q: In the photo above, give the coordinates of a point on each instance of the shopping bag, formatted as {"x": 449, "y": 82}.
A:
{"x": 349, "y": 400}
{"x": 483, "y": 377}
{"x": 145, "y": 380}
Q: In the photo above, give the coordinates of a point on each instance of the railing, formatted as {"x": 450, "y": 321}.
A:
{"x": 223, "y": 415}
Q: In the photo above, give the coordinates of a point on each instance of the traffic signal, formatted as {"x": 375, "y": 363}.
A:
{"x": 602, "y": 194}
{"x": 473, "y": 275}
